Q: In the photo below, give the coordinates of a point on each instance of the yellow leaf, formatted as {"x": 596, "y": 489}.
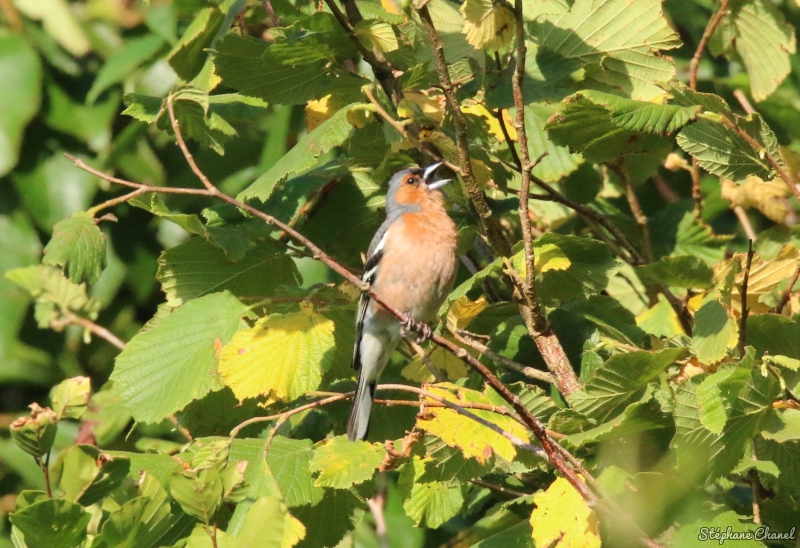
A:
{"x": 444, "y": 361}
{"x": 764, "y": 277}
{"x": 318, "y": 111}
{"x": 550, "y": 257}
{"x": 487, "y": 26}
{"x": 391, "y": 6}
{"x": 768, "y": 197}
{"x": 562, "y": 519}
{"x": 293, "y": 531}
{"x": 281, "y": 357}
{"x": 431, "y": 106}
{"x": 473, "y": 438}
{"x": 463, "y": 311}
{"x": 494, "y": 126}
{"x": 660, "y": 320}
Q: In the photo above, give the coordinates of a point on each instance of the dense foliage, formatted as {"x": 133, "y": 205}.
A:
{"x": 187, "y": 188}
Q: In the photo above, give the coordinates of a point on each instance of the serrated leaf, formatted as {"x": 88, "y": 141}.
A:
{"x": 198, "y": 491}
{"x": 253, "y": 68}
{"x": 35, "y": 434}
{"x": 562, "y": 518}
{"x": 289, "y": 462}
{"x": 715, "y": 332}
{"x": 775, "y": 335}
{"x": 569, "y": 267}
{"x": 487, "y": 26}
{"x": 342, "y": 463}
{"x": 760, "y": 35}
{"x": 86, "y": 475}
{"x": 559, "y": 161}
{"x": 620, "y": 380}
{"x": 473, "y": 438}
{"x": 452, "y": 366}
{"x": 52, "y": 523}
{"x": 620, "y": 37}
{"x": 713, "y": 413}
{"x": 153, "y": 203}
{"x": 749, "y": 398}
{"x": 430, "y": 503}
{"x": 331, "y": 133}
{"x": 444, "y": 463}
{"x": 681, "y": 233}
{"x": 78, "y": 246}
{"x": 377, "y": 35}
{"x": 684, "y": 271}
{"x": 174, "y": 362}
{"x": 298, "y": 348}
{"x": 196, "y": 268}
{"x": 328, "y": 521}
{"x": 642, "y": 416}
{"x": 188, "y": 55}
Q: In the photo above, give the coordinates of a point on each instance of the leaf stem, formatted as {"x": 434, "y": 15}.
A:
{"x": 743, "y": 292}
{"x": 85, "y": 323}
{"x": 787, "y": 294}
{"x": 530, "y": 372}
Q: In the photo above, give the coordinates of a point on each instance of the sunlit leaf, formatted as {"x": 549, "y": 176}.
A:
{"x": 563, "y": 519}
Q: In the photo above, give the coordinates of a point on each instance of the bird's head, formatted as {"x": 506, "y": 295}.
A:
{"x": 414, "y": 187}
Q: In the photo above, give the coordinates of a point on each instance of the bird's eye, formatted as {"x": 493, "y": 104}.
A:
{"x": 412, "y": 181}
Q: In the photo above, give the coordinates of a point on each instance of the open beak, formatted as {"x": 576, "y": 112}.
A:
{"x": 429, "y": 171}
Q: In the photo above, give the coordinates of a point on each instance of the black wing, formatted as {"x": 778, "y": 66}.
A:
{"x": 370, "y": 273}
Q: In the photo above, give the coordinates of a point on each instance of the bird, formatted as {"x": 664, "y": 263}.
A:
{"x": 411, "y": 264}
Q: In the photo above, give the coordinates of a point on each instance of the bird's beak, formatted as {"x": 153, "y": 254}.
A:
{"x": 429, "y": 171}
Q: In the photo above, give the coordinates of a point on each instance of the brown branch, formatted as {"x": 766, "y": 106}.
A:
{"x": 742, "y": 98}
{"x": 425, "y": 359}
{"x": 530, "y": 372}
{"x": 489, "y": 227}
{"x": 713, "y": 23}
{"x": 498, "y": 488}
{"x": 743, "y": 291}
{"x": 71, "y": 319}
{"x": 694, "y": 64}
{"x": 92, "y": 211}
{"x": 744, "y": 220}
{"x": 787, "y": 294}
{"x": 639, "y": 216}
{"x": 12, "y": 16}
{"x": 181, "y": 143}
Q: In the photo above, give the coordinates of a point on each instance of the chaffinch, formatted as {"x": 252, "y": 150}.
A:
{"x": 411, "y": 265}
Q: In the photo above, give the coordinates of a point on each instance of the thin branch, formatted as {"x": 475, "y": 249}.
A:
{"x": 745, "y": 310}
{"x": 744, "y": 220}
{"x": 499, "y": 488}
{"x": 489, "y": 227}
{"x": 85, "y": 323}
{"x": 92, "y": 211}
{"x": 755, "y": 487}
{"x": 713, "y": 23}
{"x": 376, "y": 505}
{"x": 744, "y": 101}
{"x": 787, "y": 294}
{"x": 638, "y": 215}
{"x": 425, "y": 359}
{"x": 181, "y": 143}
{"x": 530, "y": 372}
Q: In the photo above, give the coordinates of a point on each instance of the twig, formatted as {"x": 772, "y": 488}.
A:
{"x": 755, "y": 487}
{"x": 181, "y": 143}
{"x": 742, "y": 98}
{"x": 694, "y": 64}
{"x": 533, "y": 373}
{"x": 745, "y": 310}
{"x": 100, "y": 331}
{"x": 376, "y": 505}
{"x": 638, "y": 214}
{"x": 478, "y": 198}
{"x": 787, "y": 294}
{"x": 45, "y": 466}
{"x": 92, "y": 211}
{"x": 12, "y": 16}
{"x": 425, "y": 359}
{"x": 498, "y": 488}
{"x": 744, "y": 220}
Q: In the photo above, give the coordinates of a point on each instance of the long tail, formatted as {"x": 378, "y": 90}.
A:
{"x": 358, "y": 425}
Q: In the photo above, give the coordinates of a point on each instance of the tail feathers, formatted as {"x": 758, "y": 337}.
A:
{"x": 358, "y": 425}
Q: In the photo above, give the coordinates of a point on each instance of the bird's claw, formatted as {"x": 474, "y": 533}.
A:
{"x": 423, "y": 330}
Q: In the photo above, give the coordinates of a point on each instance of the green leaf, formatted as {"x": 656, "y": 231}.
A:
{"x": 681, "y": 233}
{"x": 90, "y": 124}
{"x": 86, "y": 475}
{"x": 191, "y": 108}
{"x": 444, "y": 463}
{"x": 787, "y": 458}
{"x": 299, "y": 347}
{"x": 783, "y": 426}
{"x": 684, "y": 271}
{"x": 748, "y": 397}
{"x": 559, "y": 161}
{"x": 329, "y": 134}
{"x": 21, "y": 72}
{"x": 78, "y": 246}
{"x": 196, "y": 268}
{"x": 289, "y": 461}
{"x": 251, "y": 67}
{"x": 143, "y": 107}
{"x": 713, "y": 522}
{"x": 610, "y": 318}
{"x": 264, "y": 525}
{"x": 569, "y": 267}
{"x": 174, "y": 362}
{"x": 638, "y": 417}
{"x": 763, "y": 40}
{"x": 188, "y": 55}
{"x": 35, "y": 434}
{"x": 342, "y": 463}
{"x": 328, "y": 521}
{"x": 712, "y": 405}
{"x": 59, "y": 22}
{"x": 376, "y": 35}
{"x": 431, "y": 503}
{"x": 52, "y": 523}
{"x": 69, "y": 398}
{"x": 620, "y": 380}
{"x": 198, "y": 491}
{"x": 774, "y": 335}
{"x": 121, "y": 64}
{"x": 618, "y": 38}
{"x": 715, "y": 331}
{"x": 155, "y": 204}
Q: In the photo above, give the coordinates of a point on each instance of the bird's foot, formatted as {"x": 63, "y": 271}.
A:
{"x": 422, "y": 330}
